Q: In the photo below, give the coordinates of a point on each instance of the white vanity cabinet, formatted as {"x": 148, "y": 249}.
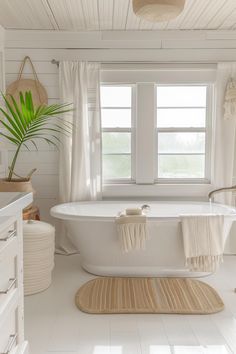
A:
{"x": 11, "y": 276}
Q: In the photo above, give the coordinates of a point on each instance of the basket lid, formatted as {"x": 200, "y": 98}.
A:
{"x": 37, "y": 227}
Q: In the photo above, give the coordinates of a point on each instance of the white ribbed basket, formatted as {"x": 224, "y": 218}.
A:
{"x": 39, "y": 247}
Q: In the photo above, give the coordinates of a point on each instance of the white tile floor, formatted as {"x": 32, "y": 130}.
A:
{"x": 55, "y": 325}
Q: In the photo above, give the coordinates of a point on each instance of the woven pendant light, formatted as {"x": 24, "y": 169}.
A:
{"x": 158, "y": 10}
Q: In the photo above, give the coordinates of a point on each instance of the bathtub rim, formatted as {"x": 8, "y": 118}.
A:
{"x": 66, "y": 216}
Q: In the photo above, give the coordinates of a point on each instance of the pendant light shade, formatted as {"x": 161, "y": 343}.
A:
{"x": 158, "y": 10}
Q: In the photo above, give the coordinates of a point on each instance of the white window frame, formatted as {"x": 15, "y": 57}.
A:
{"x": 146, "y": 76}
{"x": 208, "y": 137}
{"x": 130, "y": 130}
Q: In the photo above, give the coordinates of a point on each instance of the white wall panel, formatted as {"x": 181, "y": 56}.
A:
{"x": 45, "y": 179}
{"x": 115, "y": 55}
{"x": 45, "y": 79}
{"x": 92, "y": 15}
{"x": 12, "y": 67}
{"x": 3, "y": 151}
{"x": 156, "y": 46}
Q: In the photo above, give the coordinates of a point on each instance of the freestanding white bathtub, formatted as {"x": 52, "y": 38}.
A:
{"x": 92, "y": 230}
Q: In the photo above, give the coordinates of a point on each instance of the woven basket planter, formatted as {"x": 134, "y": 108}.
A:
{"x": 17, "y": 185}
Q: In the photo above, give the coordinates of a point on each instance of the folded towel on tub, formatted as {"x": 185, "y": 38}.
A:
{"x": 204, "y": 238}
{"x": 132, "y": 231}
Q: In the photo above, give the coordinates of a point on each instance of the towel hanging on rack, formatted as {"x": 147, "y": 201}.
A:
{"x": 132, "y": 229}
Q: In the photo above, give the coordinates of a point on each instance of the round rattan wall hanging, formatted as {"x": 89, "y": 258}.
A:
{"x": 39, "y": 93}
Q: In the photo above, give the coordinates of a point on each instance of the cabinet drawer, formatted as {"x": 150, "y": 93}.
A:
{"x": 7, "y": 233}
{"x": 8, "y": 271}
{"x": 8, "y": 333}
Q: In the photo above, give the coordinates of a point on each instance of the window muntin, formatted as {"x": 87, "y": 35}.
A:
{"x": 116, "y": 116}
{"x": 181, "y": 132}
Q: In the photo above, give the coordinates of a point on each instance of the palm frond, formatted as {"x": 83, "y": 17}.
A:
{"x": 25, "y": 123}
{"x": 10, "y": 138}
{"x": 13, "y": 122}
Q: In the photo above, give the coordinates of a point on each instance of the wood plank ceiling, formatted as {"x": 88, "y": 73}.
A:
{"x": 94, "y": 15}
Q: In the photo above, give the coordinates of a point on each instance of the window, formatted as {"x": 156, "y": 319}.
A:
{"x": 182, "y": 135}
{"x": 157, "y": 130}
{"x": 116, "y": 113}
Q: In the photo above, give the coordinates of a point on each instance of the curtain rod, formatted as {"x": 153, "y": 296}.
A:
{"x": 56, "y": 62}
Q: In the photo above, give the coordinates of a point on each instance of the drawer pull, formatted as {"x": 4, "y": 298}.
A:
{"x": 11, "y": 284}
{"x": 10, "y": 345}
{"x": 11, "y": 233}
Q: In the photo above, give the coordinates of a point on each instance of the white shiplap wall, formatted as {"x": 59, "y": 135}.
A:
{"x": 3, "y": 152}
{"x": 45, "y": 180}
{"x": 42, "y": 47}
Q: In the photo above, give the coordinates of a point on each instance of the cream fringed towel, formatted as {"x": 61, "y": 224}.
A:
{"x": 132, "y": 232}
{"x": 204, "y": 238}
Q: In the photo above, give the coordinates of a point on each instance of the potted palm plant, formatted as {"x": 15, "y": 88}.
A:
{"x": 23, "y": 124}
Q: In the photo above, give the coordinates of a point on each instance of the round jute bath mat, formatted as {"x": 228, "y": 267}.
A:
{"x": 112, "y": 295}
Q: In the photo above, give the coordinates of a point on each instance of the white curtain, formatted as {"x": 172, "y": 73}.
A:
{"x": 80, "y": 154}
{"x": 224, "y": 134}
